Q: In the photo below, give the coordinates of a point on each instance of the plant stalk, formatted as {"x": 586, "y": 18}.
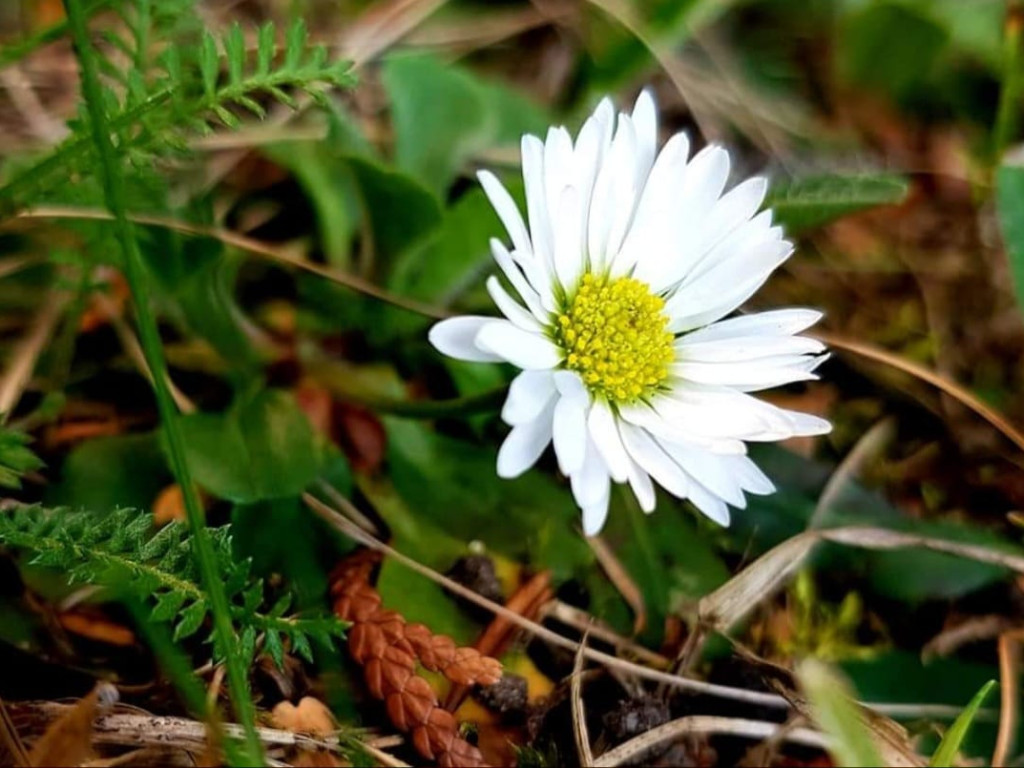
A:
{"x": 113, "y": 188}
{"x": 1009, "y": 95}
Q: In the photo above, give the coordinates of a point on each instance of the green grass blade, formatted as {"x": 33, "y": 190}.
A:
{"x": 837, "y": 715}
{"x": 950, "y": 745}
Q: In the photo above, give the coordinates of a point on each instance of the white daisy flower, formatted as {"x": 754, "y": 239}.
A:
{"x": 630, "y": 262}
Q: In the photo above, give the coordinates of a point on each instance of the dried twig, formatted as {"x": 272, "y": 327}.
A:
{"x": 579, "y": 715}
{"x": 702, "y": 725}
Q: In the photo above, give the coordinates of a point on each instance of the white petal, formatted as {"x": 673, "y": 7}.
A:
{"x": 732, "y": 211}
{"x": 532, "y": 152}
{"x": 605, "y": 434}
{"x": 750, "y": 375}
{"x": 594, "y": 515}
{"x": 749, "y": 475}
{"x": 525, "y": 444}
{"x": 456, "y": 337}
{"x": 506, "y": 209}
{"x": 558, "y": 166}
{"x": 709, "y": 504}
{"x": 645, "y": 119}
{"x": 697, "y": 191}
{"x": 518, "y": 280}
{"x": 591, "y": 484}
{"x": 779, "y": 322}
{"x": 529, "y": 351}
{"x": 570, "y": 433}
{"x": 745, "y": 348}
{"x": 569, "y": 256}
{"x": 570, "y": 385}
{"x": 528, "y": 395}
{"x": 652, "y": 459}
{"x": 711, "y": 471}
{"x": 656, "y": 209}
{"x": 511, "y": 308}
{"x": 722, "y": 289}
{"x": 614, "y": 197}
{"x": 642, "y": 487}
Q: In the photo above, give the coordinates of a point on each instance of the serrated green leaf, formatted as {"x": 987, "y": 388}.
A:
{"x": 209, "y": 64}
{"x": 191, "y": 619}
{"x": 266, "y": 47}
{"x": 272, "y": 644}
{"x": 300, "y": 646}
{"x": 167, "y": 606}
{"x": 803, "y": 204}
{"x": 295, "y": 47}
{"x": 234, "y": 50}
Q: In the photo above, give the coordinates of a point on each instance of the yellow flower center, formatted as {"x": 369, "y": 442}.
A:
{"x": 615, "y": 336}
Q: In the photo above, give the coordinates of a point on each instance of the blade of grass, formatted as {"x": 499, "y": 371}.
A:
{"x": 945, "y": 754}
{"x": 838, "y": 715}
{"x": 113, "y": 189}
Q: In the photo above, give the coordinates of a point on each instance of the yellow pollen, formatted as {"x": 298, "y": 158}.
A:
{"x": 615, "y": 336}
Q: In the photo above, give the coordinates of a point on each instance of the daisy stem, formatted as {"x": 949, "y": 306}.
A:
{"x": 1011, "y": 86}
{"x": 109, "y": 169}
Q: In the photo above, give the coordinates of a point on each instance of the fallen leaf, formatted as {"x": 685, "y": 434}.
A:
{"x": 68, "y": 741}
{"x": 169, "y": 505}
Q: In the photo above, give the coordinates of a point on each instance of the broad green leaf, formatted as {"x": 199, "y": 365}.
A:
{"x": 909, "y": 575}
{"x": 322, "y": 169}
{"x": 803, "y": 204}
{"x": 837, "y": 714}
{"x": 443, "y": 113}
{"x": 889, "y": 46}
{"x": 453, "y": 484}
{"x": 454, "y": 256}
{"x": 404, "y": 590}
{"x": 672, "y": 560}
{"x": 400, "y": 210}
{"x": 111, "y": 472}
{"x": 1010, "y": 207}
{"x": 944, "y": 756}
{"x": 261, "y": 448}
{"x": 438, "y": 117}
{"x": 282, "y": 536}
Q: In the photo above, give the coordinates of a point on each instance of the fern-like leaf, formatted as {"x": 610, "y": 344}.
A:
{"x": 188, "y": 94}
{"x": 122, "y": 551}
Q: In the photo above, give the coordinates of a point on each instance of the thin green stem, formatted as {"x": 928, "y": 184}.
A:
{"x": 1009, "y": 96}
{"x": 17, "y": 51}
{"x": 113, "y": 188}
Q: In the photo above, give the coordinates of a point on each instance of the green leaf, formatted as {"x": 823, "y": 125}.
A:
{"x": 107, "y": 472}
{"x": 438, "y": 117}
{"x": 190, "y": 621}
{"x": 454, "y": 257}
{"x": 909, "y": 575}
{"x": 273, "y": 646}
{"x": 944, "y": 756}
{"x": 262, "y": 448}
{"x": 1010, "y": 208}
{"x": 803, "y": 204}
{"x": 167, "y": 606}
{"x": 400, "y": 210}
{"x": 16, "y": 458}
{"x": 838, "y": 715}
{"x": 444, "y": 479}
